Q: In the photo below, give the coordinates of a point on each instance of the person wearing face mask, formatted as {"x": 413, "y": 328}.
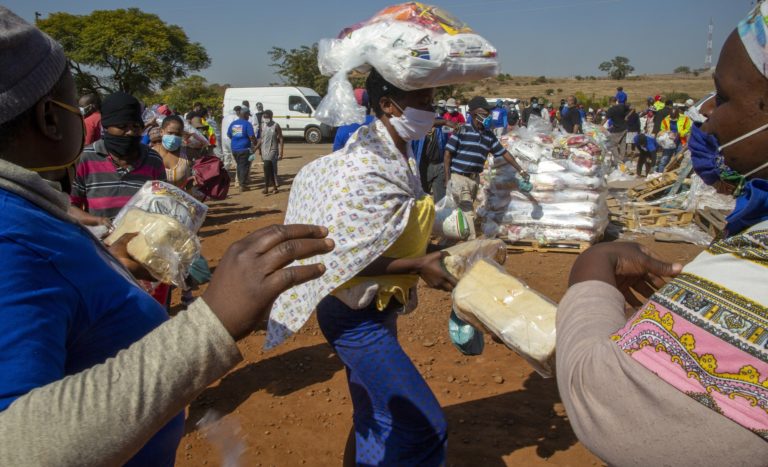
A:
{"x": 178, "y": 169}
{"x": 532, "y": 109}
{"x": 382, "y": 226}
{"x": 452, "y": 113}
{"x": 465, "y": 156}
{"x": 571, "y": 121}
{"x": 90, "y": 106}
{"x": 94, "y": 372}
{"x": 680, "y": 126}
{"x": 271, "y": 147}
{"x": 500, "y": 119}
{"x": 114, "y": 168}
{"x": 691, "y": 363}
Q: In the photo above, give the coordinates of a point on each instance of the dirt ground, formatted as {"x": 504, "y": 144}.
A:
{"x": 291, "y": 406}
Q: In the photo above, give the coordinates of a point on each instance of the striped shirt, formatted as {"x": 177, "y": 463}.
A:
{"x": 469, "y": 148}
{"x": 103, "y": 188}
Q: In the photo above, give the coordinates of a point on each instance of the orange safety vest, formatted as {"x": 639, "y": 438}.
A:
{"x": 683, "y": 127}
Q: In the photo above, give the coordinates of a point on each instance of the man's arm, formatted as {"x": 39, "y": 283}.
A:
{"x": 279, "y": 133}
{"x": 450, "y": 148}
{"x": 447, "y": 165}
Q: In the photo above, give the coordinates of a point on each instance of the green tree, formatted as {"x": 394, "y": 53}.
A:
{"x": 681, "y": 70}
{"x": 298, "y": 67}
{"x": 618, "y": 68}
{"x": 186, "y": 91}
{"x": 124, "y": 50}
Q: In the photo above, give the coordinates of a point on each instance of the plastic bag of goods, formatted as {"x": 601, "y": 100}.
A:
{"x": 555, "y": 219}
{"x": 460, "y": 257}
{"x": 457, "y": 261}
{"x": 166, "y": 220}
{"x": 666, "y": 140}
{"x": 537, "y": 210}
{"x": 520, "y": 317}
{"x": 548, "y": 235}
{"x": 450, "y": 222}
{"x": 412, "y": 45}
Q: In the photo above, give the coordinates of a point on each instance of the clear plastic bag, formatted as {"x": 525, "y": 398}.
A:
{"x": 450, "y": 222}
{"x": 666, "y": 140}
{"x": 523, "y": 319}
{"x": 166, "y": 199}
{"x": 462, "y": 256}
{"x": 165, "y": 219}
{"x": 412, "y": 45}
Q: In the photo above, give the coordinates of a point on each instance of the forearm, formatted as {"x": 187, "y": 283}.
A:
{"x": 82, "y": 216}
{"x": 383, "y": 266}
{"x": 105, "y": 414}
{"x": 511, "y": 160}
{"x": 448, "y": 157}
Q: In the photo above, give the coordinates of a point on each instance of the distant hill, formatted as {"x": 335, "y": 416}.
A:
{"x": 637, "y": 87}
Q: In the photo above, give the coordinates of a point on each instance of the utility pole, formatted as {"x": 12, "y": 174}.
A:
{"x": 38, "y": 15}
{"x": 708, "y": 58}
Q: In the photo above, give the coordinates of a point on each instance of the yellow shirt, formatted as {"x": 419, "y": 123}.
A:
{"x": 411, "y": 244}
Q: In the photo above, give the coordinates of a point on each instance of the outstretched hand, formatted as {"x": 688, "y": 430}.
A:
{"x": 254, "y": 272}
{"x": 630, "y": 267}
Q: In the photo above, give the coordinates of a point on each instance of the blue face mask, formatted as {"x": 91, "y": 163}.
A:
{"x": 709, "y": 164}
{"x": 171, "y": 142}
{"x": 487, "y": 121}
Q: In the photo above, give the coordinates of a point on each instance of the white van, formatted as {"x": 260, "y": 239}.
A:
{"x": 292, "y": 109}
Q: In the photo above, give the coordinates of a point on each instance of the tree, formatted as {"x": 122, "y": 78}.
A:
{"x": 682, "y": 70}
{"x": 124, "y": 50}
{"x": 298, "y": 67}
{"x": 618, "y": 68}
{"x": 186, "y": 91}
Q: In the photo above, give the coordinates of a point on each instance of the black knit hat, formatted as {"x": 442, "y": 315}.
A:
{"x": 120, "y": 108}
{"x": 478, "y": 102}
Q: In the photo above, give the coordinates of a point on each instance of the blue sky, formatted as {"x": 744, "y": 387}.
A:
{"x": 534, "y": 37}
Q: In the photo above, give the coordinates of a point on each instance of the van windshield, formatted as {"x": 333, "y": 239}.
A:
{"x": 314, "y": 101}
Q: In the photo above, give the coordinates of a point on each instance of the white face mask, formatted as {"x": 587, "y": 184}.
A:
{"x": 267, "y": 120}
{"x": 413, "y": 124}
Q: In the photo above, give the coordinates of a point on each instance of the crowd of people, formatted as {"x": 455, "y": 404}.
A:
{"x": 96, "y": 373}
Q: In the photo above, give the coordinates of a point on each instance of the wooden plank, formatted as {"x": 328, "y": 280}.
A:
{"x": 635, "y": 216}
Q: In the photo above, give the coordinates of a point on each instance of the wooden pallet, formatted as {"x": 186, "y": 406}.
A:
{"x": 556, "y": 247}
{"x": 644, "y": 191}
{"x": 711, "y": 221}
{"x": 635, "y": 217}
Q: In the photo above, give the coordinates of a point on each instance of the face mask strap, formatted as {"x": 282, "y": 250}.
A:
{"x": 754, "y": 171}
{"x": 743, "y": 137}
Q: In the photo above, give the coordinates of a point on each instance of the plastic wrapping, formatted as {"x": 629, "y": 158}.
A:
{"x": 450, "y": 222}
{"x": 412, "y": 45}
{"x": 666, "y": 140}
{"x": 193, "y": 138}
{"x": 165, "y": 220}
{"x": 567, "y": 202}
{"x": 547, "y": 234}
{"x": 703, "y": 196}
{"x": 163, "y": 198}
{"x": 523, "y": 319}
{"x": 462, "y": 256}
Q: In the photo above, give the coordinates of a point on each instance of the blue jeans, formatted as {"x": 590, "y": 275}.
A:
{"x": 397, "y": 420}
{"x": 666, "y": 156}
{"x": 243, "y": 166}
